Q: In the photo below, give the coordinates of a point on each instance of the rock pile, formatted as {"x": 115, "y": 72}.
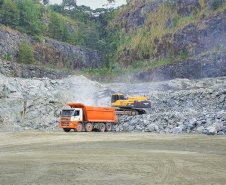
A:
{"x": 175, "y": 123}
{"x": 188, "y": 107}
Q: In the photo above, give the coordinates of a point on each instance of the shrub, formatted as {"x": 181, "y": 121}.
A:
{"x": 8, "y": 56}
{"x": 184, "y": 54}
{"x": 216, "y": 4}
{"x": 25, "y": 53}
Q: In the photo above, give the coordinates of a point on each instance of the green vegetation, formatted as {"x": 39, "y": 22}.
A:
{"x": 8, "y": 56}
{"x": 124, "y": 48}
{"x": 217, "y": 4}
{"x": 25, "y": 53}
{"x": 57, "y": 28}
{"x": 10, "y": 14}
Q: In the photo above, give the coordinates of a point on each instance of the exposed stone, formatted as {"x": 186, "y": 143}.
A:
{"x": 50, "y": 52}
{"x": 151, "y": 127}
{"x": 177, "y": 130}
{"x": 200, "y": 129}
{"x": 211, "y": 130}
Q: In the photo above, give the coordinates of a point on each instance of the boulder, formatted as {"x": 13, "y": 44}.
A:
{"x": 200, "y": 129}
{"x": 211, "y": 130}
{"x": 177, "y": 130}
{"x": 151, "y": 127}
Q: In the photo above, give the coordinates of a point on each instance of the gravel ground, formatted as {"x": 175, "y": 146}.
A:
{"x": 111, "y": 158}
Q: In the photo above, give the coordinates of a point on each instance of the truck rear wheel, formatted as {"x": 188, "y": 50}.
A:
{"x": 88, "y": 127}
{"x": 79, "y": 127}
{"x": 108, "y": 127}
{"x": 66, "y": 129}
{"x": 102, "y": 127}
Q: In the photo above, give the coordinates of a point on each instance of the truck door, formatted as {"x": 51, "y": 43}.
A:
{"x": 77, "y": 115}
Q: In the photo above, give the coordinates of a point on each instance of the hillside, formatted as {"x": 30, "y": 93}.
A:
{"x": 168, "y": 31}
{"x": 150, "y": 38}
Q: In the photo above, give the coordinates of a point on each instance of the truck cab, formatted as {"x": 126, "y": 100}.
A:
{"x": 70, "y": 117}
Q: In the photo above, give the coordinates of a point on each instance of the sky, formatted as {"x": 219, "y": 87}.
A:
{"x": 93, "y": 4}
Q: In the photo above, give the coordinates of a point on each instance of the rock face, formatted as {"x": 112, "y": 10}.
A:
{"x": 35, "y": 104}
{"x": 201, "y": 33}
{"x": 210, "y": 65}
{"x": 14, "y": 69}
{"x": 50, "y": 52}
{"x": 135, "y": 19}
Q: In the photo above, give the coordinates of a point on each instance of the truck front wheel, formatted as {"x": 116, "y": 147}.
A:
{"x": 88, "y": 127}
{"x": 79, "y": 127}
{"x": 102, "y": 127}
{"x": 66, "y": 129}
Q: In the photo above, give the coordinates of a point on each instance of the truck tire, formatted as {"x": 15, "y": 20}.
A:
{"x": 66, "y": 129}
{"x": 102, "y": 127}
{"x": 79, "y": 127}
{"x": 108, "y": 127}
{"x": 88, "y": 127}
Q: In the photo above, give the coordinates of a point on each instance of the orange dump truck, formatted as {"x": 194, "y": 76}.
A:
{"x": 80, "y": 117}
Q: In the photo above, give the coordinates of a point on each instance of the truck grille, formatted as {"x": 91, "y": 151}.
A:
{"x": 65, "y": 119}
{"x": 65, "y": 123}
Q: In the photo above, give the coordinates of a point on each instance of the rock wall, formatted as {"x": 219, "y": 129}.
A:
{"x": 200, "y": 34}
{"x": 35, "y": 104}
{"x": 209, "y": 65}
{"x": 49, "y": 52}
{"x": 13, "y": 69}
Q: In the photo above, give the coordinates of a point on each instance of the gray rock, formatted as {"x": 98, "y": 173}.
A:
{"x": 131, "y": 128}
{"x": 177, "y": 130}
{"x": 192, "y": 122}
{"x": 220, "y": 133}
{"x": 200, "y": 129}
{"x": 219, "y": 126}
{"x": 211, "y": 130}
{"x": 151, "y": 127}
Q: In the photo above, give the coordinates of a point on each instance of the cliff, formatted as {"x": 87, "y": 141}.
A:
{"x": 49, "y": 52}
{"x": 156, "y": 29}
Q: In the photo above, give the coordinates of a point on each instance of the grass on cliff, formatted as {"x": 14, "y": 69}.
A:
{"x": 143, "y": 42}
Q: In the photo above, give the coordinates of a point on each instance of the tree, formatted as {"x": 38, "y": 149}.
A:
{"x": 31, "y": 18}
{"x": 216, "y": 4}
{"x": 81, "y": 36}
{"x": 10, "y": 14}
{"x": 57, "y": 8}
{"x": 69, "y": 4}
{"x": 92, "y": 38}
{"x": 25, "y": 53}
{"x": 1, "y": 3}
{"x": 45, "y": 2}
{"x": 57, "y": 28}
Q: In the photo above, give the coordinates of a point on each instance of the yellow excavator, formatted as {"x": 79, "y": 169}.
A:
{"x": 131, "y": 105}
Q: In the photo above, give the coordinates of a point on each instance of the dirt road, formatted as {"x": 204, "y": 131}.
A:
{"x": 111, "y": 158}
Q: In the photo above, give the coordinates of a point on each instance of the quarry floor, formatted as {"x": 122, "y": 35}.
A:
{"x": 58, "y": 158}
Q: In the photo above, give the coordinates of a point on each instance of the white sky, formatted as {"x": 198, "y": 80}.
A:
{"x": 93, "y": 4}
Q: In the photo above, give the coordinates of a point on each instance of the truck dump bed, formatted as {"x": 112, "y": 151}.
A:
{"x": 96, "y": 114}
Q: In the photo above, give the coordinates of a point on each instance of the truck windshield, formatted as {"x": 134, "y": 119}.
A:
{"x": 67, "y": 113}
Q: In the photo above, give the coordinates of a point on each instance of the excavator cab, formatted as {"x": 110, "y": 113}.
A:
{"x": 115, "y": 97}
